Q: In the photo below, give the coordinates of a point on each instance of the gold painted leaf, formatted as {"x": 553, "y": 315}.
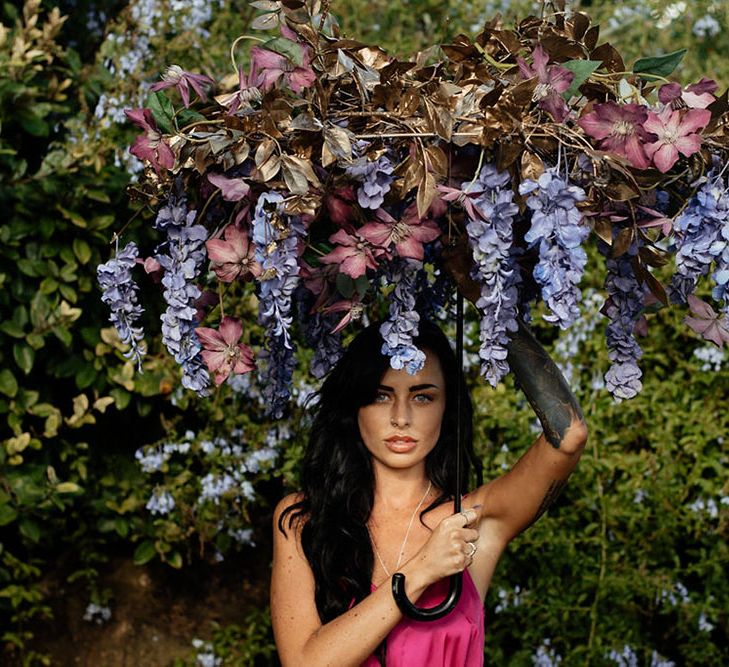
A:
{"x": 426, "y": 194}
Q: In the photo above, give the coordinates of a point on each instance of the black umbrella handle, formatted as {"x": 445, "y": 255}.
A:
{"x": 426, "y": 613}
{"x": 456, "y": 586}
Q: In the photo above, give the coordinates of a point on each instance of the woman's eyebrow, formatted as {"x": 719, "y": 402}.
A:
{"x": 415, "y": 387}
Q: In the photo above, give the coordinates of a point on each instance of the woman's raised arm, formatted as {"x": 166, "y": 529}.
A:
{"x": 517, "y": 499}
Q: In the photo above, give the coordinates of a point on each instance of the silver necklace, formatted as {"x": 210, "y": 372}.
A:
{"x": 407, "y": 534}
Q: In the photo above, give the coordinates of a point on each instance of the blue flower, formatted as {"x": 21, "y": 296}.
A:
{"x": 401, "y": 326}
{"x": 623, "y": 308}
{"x": 376, "y": 178}
{"x": 276, "y": 238}
{"x": 490, "y": 237}
{"x": 702, "y": 237}
{"x": 556, "y": 227}
{"x": 120, "y": 294}
{"x": 182, "y": 258}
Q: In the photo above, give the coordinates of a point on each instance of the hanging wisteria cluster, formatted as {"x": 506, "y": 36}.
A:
{"x": 333, "y": 182}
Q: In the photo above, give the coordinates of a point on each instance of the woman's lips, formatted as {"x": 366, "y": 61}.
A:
{"x": 401, "y": 445}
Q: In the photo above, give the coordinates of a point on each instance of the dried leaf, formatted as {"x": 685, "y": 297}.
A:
{"x": 532, "y": 166}
{"x": 652, "y": 256}
{"x": 306, "y": 122}
{"x": 265, "y": 21}
{"x": 426, "y": 193}
{"x": 604, "y": 229}
{"x": 298, "y": 173}
{"x": 270, "y": 167}
{"x": 611, "y": 59}
{"x": 656, "y": 287}
{"x": 622, "y": 241}
{"x": 337, "y": 143}
{"x": 439, "y": 119}
{"x": 264, "y": 151}
{"x": 580, "y": 24}
{"x": 591, "y": 37}
{"x": 507, "y": 152}
{"x": 437, "y": 160}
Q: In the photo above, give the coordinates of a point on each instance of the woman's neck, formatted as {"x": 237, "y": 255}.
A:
{"x": 399, "y": 490}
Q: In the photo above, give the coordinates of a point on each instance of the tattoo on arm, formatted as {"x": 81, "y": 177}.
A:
{"x": 543, "y": 385}
{"x": 555, "y": 488}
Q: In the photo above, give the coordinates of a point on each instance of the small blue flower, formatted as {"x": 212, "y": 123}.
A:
{"x": 376, "y": 177}
{"x": 120, "y": 294}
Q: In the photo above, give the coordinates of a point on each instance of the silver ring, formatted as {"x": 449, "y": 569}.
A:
{"x": 473, "y": 548}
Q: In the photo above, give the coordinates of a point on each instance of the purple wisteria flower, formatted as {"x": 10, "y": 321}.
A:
{"x": 277, "y": 253}
{"x": 317, "y": 327}
{"x": 702, "y": 237}
{"x": 556, "y": 227}
{"x": 182, "y": 259}
{"x": 376, "y": 178}
{"x": 401, "y": 326}
{"x": 120, "y": 294}
{"x": 490, "y": 236}
{"x": 623, "y": 308}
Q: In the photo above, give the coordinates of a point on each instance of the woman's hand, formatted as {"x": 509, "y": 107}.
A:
{"x": 448, "y": 549}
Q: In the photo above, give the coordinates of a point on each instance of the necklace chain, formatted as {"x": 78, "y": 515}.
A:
{"x": 407, "y": 534}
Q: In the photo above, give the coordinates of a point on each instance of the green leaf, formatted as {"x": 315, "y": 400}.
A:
{"x": 144, "y": 553}
{"x": 582, "y": 70}
{"x": 121, "y": 525}
{"x": 7, "y": 514}
{"x": 8, "y": 383}
{"x": 82, "y": 250}
{"x": 659, "y": 65}
{"x": 24, "y": 356}
{"x": 85, "y": 377}
{"x": 286, "y": 48}
{"x": 72, "y": 217}
{"x": 188, "y": 116}
{"x": 12, "y": 329}
{"x": 98, "y": 195}
{"x": 162, "y": 111}
{"x": 33, "y": 124}
{"x": 174, "y": 559}
{"x": 30, "y": 529}
{"x": 121, "y": 397}
{"x": 345, "y": 285}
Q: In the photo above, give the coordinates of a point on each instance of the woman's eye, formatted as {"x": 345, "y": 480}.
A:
{"x": 423, "y": 398}
{"x": 381, "y": 397}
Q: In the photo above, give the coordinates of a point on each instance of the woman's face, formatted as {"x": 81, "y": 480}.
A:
{"x": 402, "y": 425}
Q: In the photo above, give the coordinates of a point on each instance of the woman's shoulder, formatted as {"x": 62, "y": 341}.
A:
{"x": 285, "y": 515}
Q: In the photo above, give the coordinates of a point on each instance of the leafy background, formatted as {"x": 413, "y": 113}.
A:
{"x": 135, "y": 518}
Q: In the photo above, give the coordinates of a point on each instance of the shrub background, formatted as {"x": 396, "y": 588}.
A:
{"x": 628, "y": 568}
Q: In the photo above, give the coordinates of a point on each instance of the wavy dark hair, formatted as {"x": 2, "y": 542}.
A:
{"x": 337, "y": 477}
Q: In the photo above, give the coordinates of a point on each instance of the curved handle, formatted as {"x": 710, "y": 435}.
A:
{"x": 426, "y": 613}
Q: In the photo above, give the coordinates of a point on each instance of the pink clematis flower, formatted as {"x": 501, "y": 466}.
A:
{"x": 676, "y": 132}
{"x": 232, "y": 189}
{"x": 696, "y": 96}
{"x": 552, "y": 82}
{"x": 273, "y": 66}
{"x": 712, "y": 326}
{"x": 222, "y": 352}
{"x": 407, "y": 235}
{"x": 340, "y": 205}
{"x": 619, "y": 130}
{"x": 182, "y": 80}
{"x": 354, "y": 254}
{"x": 150, "y": 146}
{"x": 248, "y": 92}
{"x": 234, "y": 256}
{"x": 352, "y": 308}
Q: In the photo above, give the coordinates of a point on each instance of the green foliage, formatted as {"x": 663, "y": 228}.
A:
{"x": 236, "y": 646}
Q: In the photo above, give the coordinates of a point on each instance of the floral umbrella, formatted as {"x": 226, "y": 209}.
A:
{"x": 332, "y": 175}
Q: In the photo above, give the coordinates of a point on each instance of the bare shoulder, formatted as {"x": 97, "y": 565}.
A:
{"x": 290, "y": 518}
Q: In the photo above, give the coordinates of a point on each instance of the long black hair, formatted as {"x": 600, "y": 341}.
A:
{"x": 337, "y": 477}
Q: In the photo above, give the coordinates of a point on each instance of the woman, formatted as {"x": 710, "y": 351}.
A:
{"x": 382, "y": 450}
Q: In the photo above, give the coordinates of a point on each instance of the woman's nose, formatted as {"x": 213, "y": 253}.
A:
{"x": 400, "y": 416}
